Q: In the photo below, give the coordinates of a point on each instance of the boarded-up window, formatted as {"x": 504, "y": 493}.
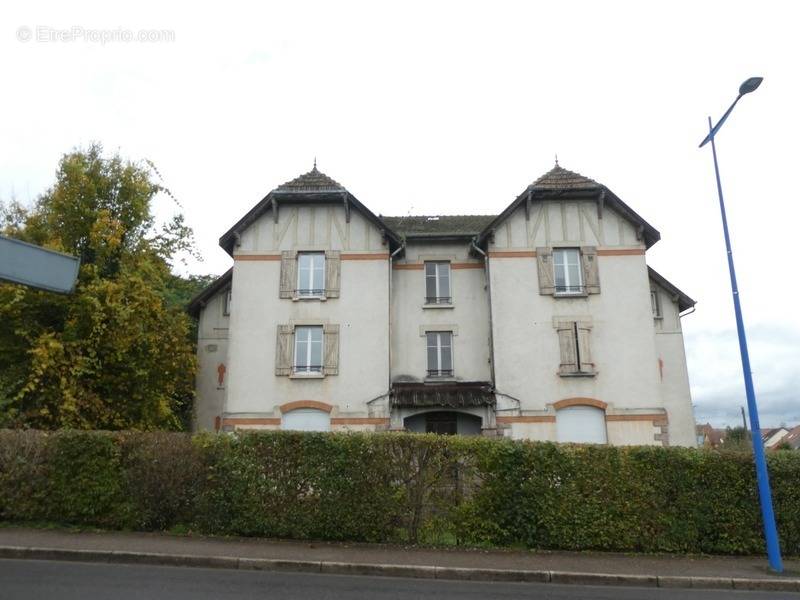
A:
{"x": 306, "y": 419}
{"x": 574, "y": 348}
{"x": 581, "y": 425}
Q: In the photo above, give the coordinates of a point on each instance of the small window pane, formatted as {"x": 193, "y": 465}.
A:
{"x": 444, "y": 280}
{"x": 311, "y": 274}
{"x": 447, "y": 359}
{"x": 308, "y": 349}
{"x": 567, "y": 270}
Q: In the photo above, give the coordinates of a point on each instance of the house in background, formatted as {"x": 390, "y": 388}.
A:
{"x": 773, "y": 436}
{"x": 542, "y": 322}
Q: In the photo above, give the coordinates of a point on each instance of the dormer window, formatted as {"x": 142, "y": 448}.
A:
{"x": 311, "y": 274}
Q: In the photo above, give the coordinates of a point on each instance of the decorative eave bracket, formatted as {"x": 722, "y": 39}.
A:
{"x": 601, "y": 203}
{"x": 346, "y": 207}
{"x": 528, "y": 206}
{"x": 274, "y": 203}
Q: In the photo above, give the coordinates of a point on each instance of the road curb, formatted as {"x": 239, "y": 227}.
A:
{"x": 388, "y": 570}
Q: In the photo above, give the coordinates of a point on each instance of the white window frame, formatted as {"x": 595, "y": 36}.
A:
{"x": 572, "y": 288}
{"x": 308, "y": 368}
{"x": 440, "y": 267}
{"x": 438, "y": 371}
{"x": 655, "y": 304}
{"x": 311, "y": 292}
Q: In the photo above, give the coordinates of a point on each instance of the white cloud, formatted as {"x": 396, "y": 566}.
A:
{"x": 449, "y": 107}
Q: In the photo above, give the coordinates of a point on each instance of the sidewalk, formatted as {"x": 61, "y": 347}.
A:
{"x": 400, "y": 561}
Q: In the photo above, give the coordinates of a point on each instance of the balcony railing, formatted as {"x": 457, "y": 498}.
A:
{"x": 307, "y": 369}
{"x": 310, "y": 292}
{"x": 566, "y": 290}
{"x": 438, "y": 300}
{"x": 440, "y": 372}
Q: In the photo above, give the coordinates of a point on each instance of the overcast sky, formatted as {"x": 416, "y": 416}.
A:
{"x": 439, "y": 107}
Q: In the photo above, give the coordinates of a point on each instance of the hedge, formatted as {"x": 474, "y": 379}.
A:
{"x": 391, "y": 487}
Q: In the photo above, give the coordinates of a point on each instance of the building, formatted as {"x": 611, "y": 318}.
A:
{"x": 542, "y": 322}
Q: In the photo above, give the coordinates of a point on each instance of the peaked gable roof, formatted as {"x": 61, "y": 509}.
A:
{"x": 559, "y": 182}
{"x": 684, "y": 301}
{"x": 216, "y": 286}
{"x": 312, "y": 187}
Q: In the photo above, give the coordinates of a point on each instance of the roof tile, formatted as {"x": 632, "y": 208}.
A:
{"x": 313, "y": 181}
{"x": 436, "y": 225}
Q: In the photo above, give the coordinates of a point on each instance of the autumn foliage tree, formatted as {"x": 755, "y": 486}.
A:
{"x": 116, "y": 353}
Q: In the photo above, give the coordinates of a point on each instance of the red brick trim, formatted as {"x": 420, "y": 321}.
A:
{"x": 250, "y": 421}
{"x": 526, "y": 419}
{"x": 656, "y": 417}
{"x": 512, "y": 254}
{"x": 365, "y": 256}
{"x": 580, "y": 402}
{"x": 289, "y": 406}
{"x": 466, "y": 266}
{"x": 621, "y": 252}
{"x": 257, "y": 257}
{"x": 408, "y": 266}
{"x": 359, "y": 421}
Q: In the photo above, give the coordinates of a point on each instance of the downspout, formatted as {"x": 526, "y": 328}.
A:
{"x": 391, "y": 271}
{"x": 489, "y": 294}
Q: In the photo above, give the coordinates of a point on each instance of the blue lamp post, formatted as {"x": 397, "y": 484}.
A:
{"x": 765, "y": 496}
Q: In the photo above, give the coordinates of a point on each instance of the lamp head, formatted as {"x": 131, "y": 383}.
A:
{"x": 751, "y": 85}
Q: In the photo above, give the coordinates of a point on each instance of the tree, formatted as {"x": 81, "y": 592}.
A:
{"x": 117, "y": 353}
{"x": 737, "y": 439}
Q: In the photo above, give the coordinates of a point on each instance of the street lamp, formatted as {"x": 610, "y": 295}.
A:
{"x": 765, "y": 496}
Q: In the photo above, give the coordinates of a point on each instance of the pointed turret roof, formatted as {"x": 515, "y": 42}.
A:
{"x": 312, "y": 187}
{"x": 559, "y": 182}
{"x": 311, "y": 182}
{"x": 559, "y": 178}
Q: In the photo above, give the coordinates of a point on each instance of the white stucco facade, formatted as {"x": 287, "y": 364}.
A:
{"x": 512, "y": 351}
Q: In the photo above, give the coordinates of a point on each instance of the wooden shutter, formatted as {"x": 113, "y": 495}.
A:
{"x": 288, "y": 273}
{"x": 584, "y": 351}
{"x": 566, "y": 344}
{"x": 331, "y": 341}
{"x": 284, "y": 350}
{"x": 591, "y": 276}
{"x": 544, "y": 262}
{"x": 333, "y": 265}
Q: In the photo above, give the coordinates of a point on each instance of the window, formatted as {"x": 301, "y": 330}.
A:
{"x": 573, "y": 341}
{"x": 226, "y": 303}
{"x": 308, "y": 349}
{"x": 655, "y": 304}
{"x": 311, "y": 274}
{"x": 440, "y": 353}
{"x": 581, "y": 425}
{"x": 306, "y": 419}
{"x": 567, "y": 271}
{"x": 437, "y": 283}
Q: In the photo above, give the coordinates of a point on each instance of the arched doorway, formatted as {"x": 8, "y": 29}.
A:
{"x": 444, "y": 422}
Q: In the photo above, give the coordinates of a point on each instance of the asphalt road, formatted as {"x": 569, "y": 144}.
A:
{"x": 42, "y": 580}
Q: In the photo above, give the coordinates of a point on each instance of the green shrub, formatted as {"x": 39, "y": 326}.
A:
{"x": 395, "y": 487}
